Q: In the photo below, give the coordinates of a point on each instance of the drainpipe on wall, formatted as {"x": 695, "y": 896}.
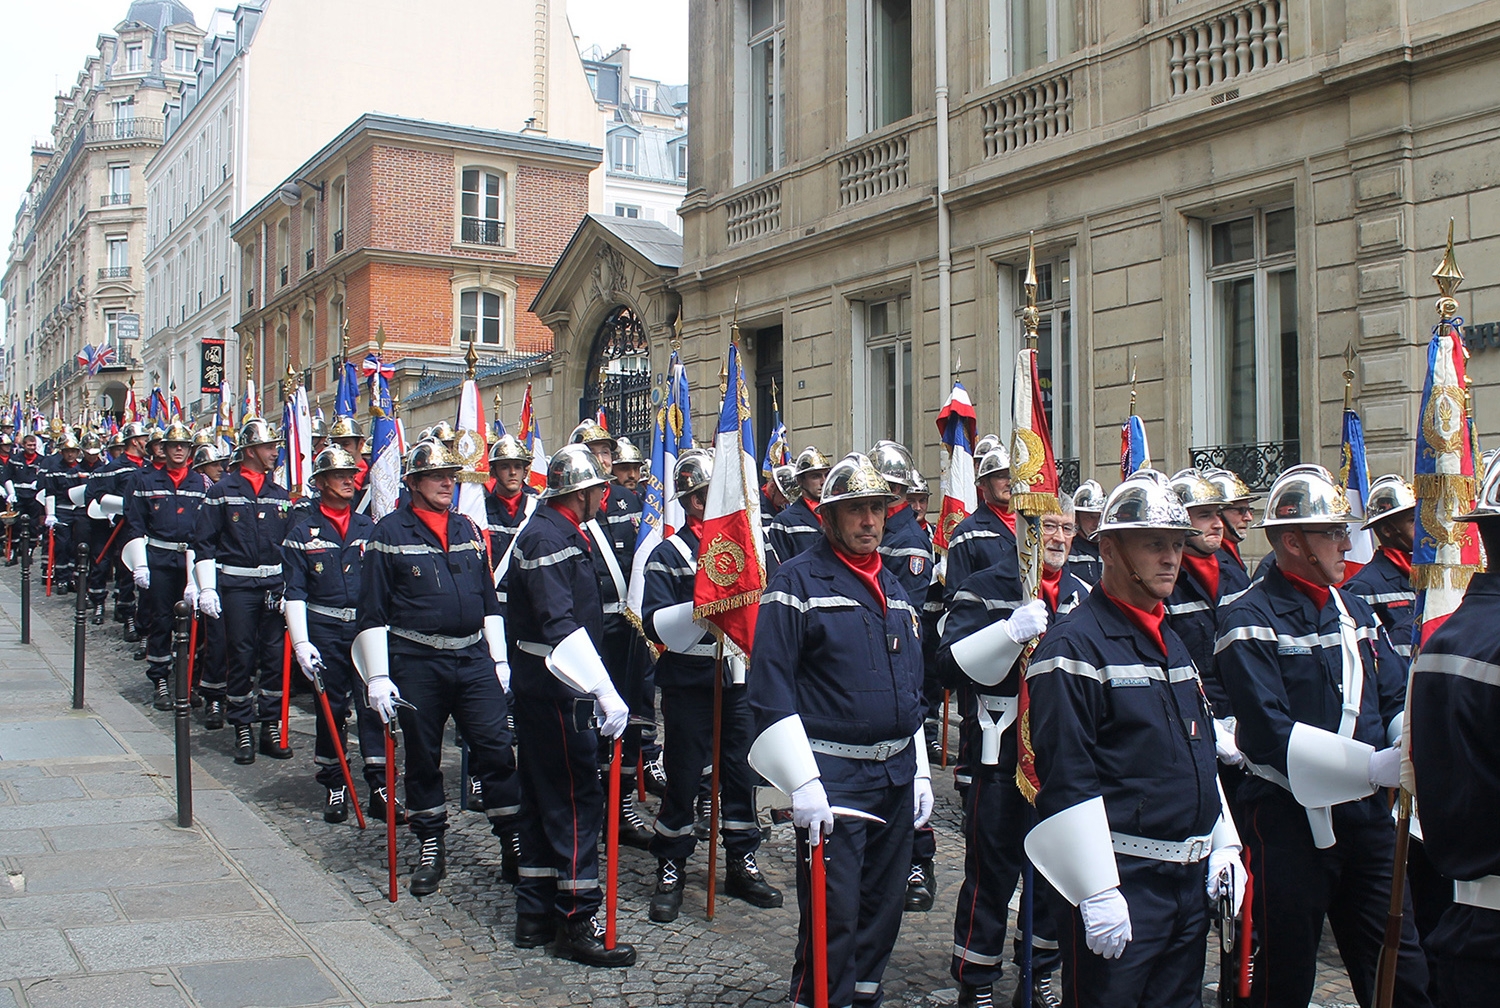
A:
{"x": 945, "y": 257}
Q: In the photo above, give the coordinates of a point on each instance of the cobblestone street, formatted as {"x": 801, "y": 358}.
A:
{"x": 462, "y": 933}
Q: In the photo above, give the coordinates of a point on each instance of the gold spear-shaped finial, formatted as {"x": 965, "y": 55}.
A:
{"x": 1448, "y": 276}
{"x": 1349, "y": 356}
{"x": 1132, "y": 385}
{"x": 677, "y": 331}
{"x": 471, "y": 360}
{"x": 1031, "y": 318}
{"x": 344, "y": 341}
{"x": 497, "y": 402}
{"x": 380, "y": 339}
{"x": 775, "y": 405}
{"x": 375, "y": 408}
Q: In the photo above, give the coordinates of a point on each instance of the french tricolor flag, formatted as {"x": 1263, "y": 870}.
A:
{"x": 956, "y": 423}
{"x": 1355, "y": 475}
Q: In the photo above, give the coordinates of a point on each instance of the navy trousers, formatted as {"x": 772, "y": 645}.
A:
{"x": 443, "y": 684}
{"x": 1297, "y": 885}
{"x": 562, "y": 807}
{"x": 1162, "y": 966}
{"x": 866, "y": 864}
{"x": 688, "y": 717}
{"x": 210, "y": 665}
{"x": 156, "y": 614}
{"x": 1466, "y": 944}
{"x": 102, "y": 562}
{"x": 334, "y": 640}
{"x": 996, "y": 821}
{"x": 254, "y": 638}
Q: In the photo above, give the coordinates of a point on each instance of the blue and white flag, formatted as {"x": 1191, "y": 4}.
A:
{"x": 346, "y": 401}
{"x": 1135, "y": 453}
{"x": 671, "y": 432}
{"x": 1354, "y": 474}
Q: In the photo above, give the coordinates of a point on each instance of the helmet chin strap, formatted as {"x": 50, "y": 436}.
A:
{"x": 1312, "y": 557}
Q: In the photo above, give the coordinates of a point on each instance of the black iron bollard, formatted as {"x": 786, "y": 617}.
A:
{"x": 80, "y": 616}
{"x": 25, "y": 579}
{"x": 183, "y": 712}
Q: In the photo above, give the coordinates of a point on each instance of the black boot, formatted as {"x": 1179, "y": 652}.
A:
{"x": 434, "y": 865}
{"x": 162, "y": 697}
{"x": 244, "y": 744}
{"x": 633, "y": 832}
{"x": 271, "y": 742}
{"x": 666, "y": 901}
{"x": 656, "y": 778}
{"x": 510, "y": 859}
{"x": 133, "y": 633}
{"x": 534, "y": 930}
{"x": 743, "y": 879}
{"x": 702, "y": 810}
{"x": 213, "y": 715}
{"x": 98, "y": 618}
{"x": 921, "y": 886}
{"x": 971, "y": 996}
{"x": 476, "y": 795}
{"x": 119, "y": 614}
{"x": 376, "y": 808}
{"x": 139, "y": 654}
{"x": 582, "y": 940}
{"x": 1041, "y": 993}
{"x": 336, "y": 808}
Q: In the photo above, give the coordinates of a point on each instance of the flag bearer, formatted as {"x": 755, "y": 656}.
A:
{"x": 63, "y": 478}
{"x": 105, "y": 497}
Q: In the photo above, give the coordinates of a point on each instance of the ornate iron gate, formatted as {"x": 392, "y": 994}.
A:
{"x": 622, "y": 352}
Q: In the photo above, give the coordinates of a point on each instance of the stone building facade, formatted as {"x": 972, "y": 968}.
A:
{"x": 1224, "y": 198}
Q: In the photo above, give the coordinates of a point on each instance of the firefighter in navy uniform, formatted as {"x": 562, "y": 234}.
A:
{"x": 983, "y": 637}
{"x": 237, "y": 563}
{"x": 1385, "y": 582}
{"x": 626, "y": 468}
{"x": 1238, "y": 513}
{"x": 1317, "y": 693}
{"x": 1455, "y": 705}
{"x": 208, "y": 459}
{"x": 430, "y": 634}
{"x": 797, "y": 527}
{"x": 685, "y": 672}
{"x": 979, "y": 540}
{"x": 1088, "y": 504}
{"x": 346, "y": 433}
{"x": 23, "y": 476}
{"x": 62, "y": 474}
{"x": 161, "y": 515}
{"x": 554, "y": 627}
{"x": 1128, "y": 797}
{"x": 322, "y": 559}
{"x": 835, "y": 686}
{"x": 105, "y": 500}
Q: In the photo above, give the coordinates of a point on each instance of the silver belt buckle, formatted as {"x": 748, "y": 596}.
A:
{"x": 883, "y": 750}
{"x": 1198, "y": 850}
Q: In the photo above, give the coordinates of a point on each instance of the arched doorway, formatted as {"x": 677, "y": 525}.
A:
{"x": 623, "y": 352}
{"x": 112, "y": 400}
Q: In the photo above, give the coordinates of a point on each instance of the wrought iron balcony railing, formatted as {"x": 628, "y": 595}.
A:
{"x": 482, "y": 231}
{"x": 114, "y": 273}
{"x": 1257, "y": 464}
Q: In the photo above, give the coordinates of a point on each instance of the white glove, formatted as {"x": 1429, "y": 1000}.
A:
{"x": 50, "y": 521}
{"x": 307, "y": 656}
{"x": 1106, "y": 922}
{"x": 190, "y": 595}
{"x": 1226, "y": 874}
{"x": 1225, "y": 746}
{"x": 921, "y": 802}
{"x": 811, "y": 811}
{"x": 1027, "y": 622}
{"x": 502, "y": 672}
{"x": 382, "y": 694}
{"x": 613, "y": 714}
{"x": 142, "y": 577}
{"x": 208, "y": 603}
{"x": 1385, "y": 767}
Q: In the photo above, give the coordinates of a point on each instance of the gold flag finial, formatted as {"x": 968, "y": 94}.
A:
{"x": 471, "y": 360}
{"x": 775, "y": 404}
{"x": 380, "y": 339}
{"x": 1031, "y": 318}
{"x": 1349, "y": 356}
{"x": 1448, "y": 277}
{"x": 497, "y": 402}
{"x": 677, "y": 331}
{"x": 1132, "y": 384}
{"x": 344, "y": 341}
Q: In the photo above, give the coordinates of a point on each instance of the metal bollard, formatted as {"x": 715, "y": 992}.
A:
{"x": 25, "y": 580}
{"x": 183, "y": 711}
{"x": 80, "y": 617}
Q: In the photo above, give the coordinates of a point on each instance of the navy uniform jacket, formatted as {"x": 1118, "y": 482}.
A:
{"x": 58, "y": 480}
{"x": 620, "y": 516}
{"x": 321, "y": 567}
{"x": 906, "y": 552}
{"x": 1387, "y": 589}
{"x": 243, "y": 530}
{"x": 113, "y": 477}
{"x": 1195, "y": 617}
{"x": 824, "y": 650}
{"x": 502, "y": 525}
{"x": 1084, "y": 562}
{"x": 25, "y": 478}
{"x": 669, "y": 582}
{"x": 794, "y": 530}
{"x": 551, "y": 591}
{"x": 1113, "y": 717}
{"x": 411, "y": 583}
{"x": 1455, "y": 706}
{"x": 1280, "y": 660}
{"x": 976, "y": 543}
{"x": 164, "y": 513}
{"x": 1230, "y": 556}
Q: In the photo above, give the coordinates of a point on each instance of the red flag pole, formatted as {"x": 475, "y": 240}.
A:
{"x": 819, "y": 901}
{"x": 612, "y": 849}
{"x": 286, "y": 690}
{"x": 390, "y": 810}
{"x": 1242, "y": 988}
{"x": 192, "y": 651}
{"x": 338, "y": 747}
{"x": 51, "y": 557}
{"x": 713, "y": 785}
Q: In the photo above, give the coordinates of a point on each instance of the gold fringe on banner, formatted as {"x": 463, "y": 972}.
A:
{"x": 726, "y": 604}
{"x": 1426, "y": 576}
{"x": 1453, "y": 485}
{"x": 1035, "y": 504}
{"x": 1023, "y": 782}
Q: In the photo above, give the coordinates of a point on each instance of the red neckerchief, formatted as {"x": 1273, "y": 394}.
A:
{"x": 812, "y": 507}
{"x": 512, "y": 504}
{"x": 893, "y": 512}
{"x": 867, "y": 569}
{"x": 573, "y": 520}
{"x": 177, "y": 476}
{"x": 1400, "y": 559}
{"x": 1318, "y": 593}
{"x": 437, "y": 521}
{"x": 340, "y": 519}
{"x": 1205, "y": 569}
{"x": 135, "y": 460}
{"x": 695, "y": 526}
{"x": 255, "y": 479}
{"x": 489, "y": 484}
{"x": 1148, "y": 623}
{"x": 1050, "y": 586}
{"x": 360, "y": 474}
{"x": 604, "y": 502}
{"x": 1234, "y": 550}
{"x": 1008, "y": 517}
{"x": 158, "y": 466}
{"x": 29, "y": 458}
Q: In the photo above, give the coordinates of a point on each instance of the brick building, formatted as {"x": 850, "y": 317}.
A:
{"x": 440, "y": 235}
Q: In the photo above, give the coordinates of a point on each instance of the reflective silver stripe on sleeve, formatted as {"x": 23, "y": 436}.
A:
{"x": 803, "y": 605}
{"x": 1111, "y": 673}
{"x": 1008, "y": 605}
{"x": 1270, "y": 636}
{"x": 566, "y": 553}
{"x": 1457, "y": 665}
{"x": 1182, "y": 608}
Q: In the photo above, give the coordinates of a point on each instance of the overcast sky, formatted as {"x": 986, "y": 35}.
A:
{"x": 43, "y": 46}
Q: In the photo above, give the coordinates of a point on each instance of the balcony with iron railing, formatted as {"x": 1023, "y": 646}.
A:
{"x": 114, "y": 273}
{"x": 338, "y": 241}
{"x": 115, "y": 199}
{"x": 481, "y": 231}
{"x": 120, "y": 130}
{"x": 1257, "y": 464}
{"x": 307, "y": 260}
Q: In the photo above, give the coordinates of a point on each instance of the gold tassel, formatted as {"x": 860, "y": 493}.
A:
{"x": 726, "y": 604}
{"x": 1023, "y": 782}
{"x": 1427, "y": 576}
{"x": 1034, "y": 504}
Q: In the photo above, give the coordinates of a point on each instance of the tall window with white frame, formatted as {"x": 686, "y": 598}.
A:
{"x": 336, "y": 210}
{"x": 119, "y": 184}
{"x": 1251, "y": 368}
{"x": 767, "y": 86}
{"x": 483, "y": 209}
{"x": 887, "y": 327}
{"x": 309, "y": 235}
{"x": 624, "y": 152}
{"x": 481, "y": 316}
{"x": 1025, "y": 34}
{"x": 117, "y": 252}
{"x": 880, "y": 55}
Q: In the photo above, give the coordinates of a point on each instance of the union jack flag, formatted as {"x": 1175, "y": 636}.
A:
{"x": 94, "y": 358}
